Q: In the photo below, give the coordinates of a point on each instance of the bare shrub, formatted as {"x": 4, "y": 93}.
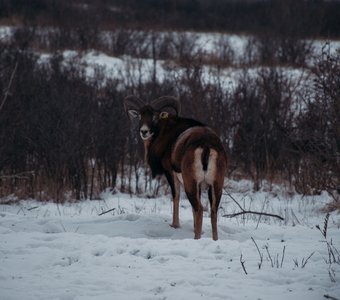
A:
{"x": 222, "y": 55}
{"x": 319, "y": 129}
{"x": 283, "y": 50}
{"x": 185, "y": 45}
{"x": 262, "y": 111}
{"x": 54, "y": 130}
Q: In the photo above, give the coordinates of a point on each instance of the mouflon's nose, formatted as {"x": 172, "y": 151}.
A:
{"x": 144, "y": 132}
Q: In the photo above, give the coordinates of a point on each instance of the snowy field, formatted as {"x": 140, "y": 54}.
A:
{"x": 72, "y": 251}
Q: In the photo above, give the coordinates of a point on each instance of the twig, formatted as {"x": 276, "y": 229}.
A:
{"x": 62, "y": 225}
{"x": 260, "y": 254}
{"x": 31, "y": 208}
{"x": 331, "y": 274}
{"x": 232, "y": 198}
{"x": 296, "y": 262}
{"x": 243, "y": 211}
{"x": 105, "y": 212}
{"x": 9, "y": 86}
{"x": 254, "y": 213}
{"x": 283, "y": 255}
{"x": 331, "y": 255}
{"x": 304, "y": 261}
{"x": 258, "y": 221}
{"x": 325, "y": 226}
{"x": 270, "y": 257}
{"x": 330, "y": 297}
{"x": 277, "y": 260}
{"x": 294, "y": 216}
{"x": 242, "y": 264}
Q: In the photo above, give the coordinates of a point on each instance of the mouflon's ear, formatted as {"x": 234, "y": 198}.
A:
{"x": 133, "y": 114}
{"x": 164, "y": 115}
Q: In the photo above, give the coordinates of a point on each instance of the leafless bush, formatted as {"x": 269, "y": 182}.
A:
{"x": 223, "y": 54}
{"x": 283, "y": 50}
{"x": 262, "y": 112}
{"x": 130, "y": 42}
{"x": 185, "y": 45}
{"x": 319, "y": 129}
{"x": 55, "y": 129}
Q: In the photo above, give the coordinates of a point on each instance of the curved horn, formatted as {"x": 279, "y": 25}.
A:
{"x": 166, "y": 102}
{"x": 133, "y": 102}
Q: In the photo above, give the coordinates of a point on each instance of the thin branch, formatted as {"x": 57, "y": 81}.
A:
{"x": 305, "y": 261}
{"x": 294, "y": 216}
{"x": 258, "y": 221}
{"x": 22, "y": 175}
{"x": 296, "y": 262}
{"x": 331, "y": 274}
{"x": 243, "y": 211}
{"x": 260, "y": 254}
{"x": 232, "y": 198}
{"x": 283, "y": 255}
{"x": 254, "y": 213}
{"x": 242, "y": 264}
{"x": 105, "y": 212}
{"x": 31, "y": 208}
{"x": 330, "y": 297}
{"x": 269, "y": 256}
{"x": 9, "y": 86}
{"x": 324, "y": 230}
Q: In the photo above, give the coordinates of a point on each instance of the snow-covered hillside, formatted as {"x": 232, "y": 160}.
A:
{"x": 70, "y": 251}
{"x": 129, "y": 69}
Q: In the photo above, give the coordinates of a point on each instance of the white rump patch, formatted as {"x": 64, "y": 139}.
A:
{"x": 208, "y": 176}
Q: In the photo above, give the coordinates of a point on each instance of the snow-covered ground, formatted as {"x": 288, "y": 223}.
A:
{"x": 70, "y": 251}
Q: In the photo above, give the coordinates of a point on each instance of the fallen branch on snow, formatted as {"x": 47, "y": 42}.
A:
{"x": 105, "y": 212}
{"x": 243, "y": 211}
{"x": 330, "y": 297}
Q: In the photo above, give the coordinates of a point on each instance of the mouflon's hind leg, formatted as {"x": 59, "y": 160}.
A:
{"x": 193, "y": 194}
{"x": 175, "y": 191}
{"x": 214, "y": 194}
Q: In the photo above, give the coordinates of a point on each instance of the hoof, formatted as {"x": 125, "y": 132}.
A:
{"x": 175, "y": 226}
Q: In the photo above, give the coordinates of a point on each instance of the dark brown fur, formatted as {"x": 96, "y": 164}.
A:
{"x": 204, "y": 142}
{"x": 183, "y": 150}
{"x": 159, "y": 151}
{"x": 173, "y": 151}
